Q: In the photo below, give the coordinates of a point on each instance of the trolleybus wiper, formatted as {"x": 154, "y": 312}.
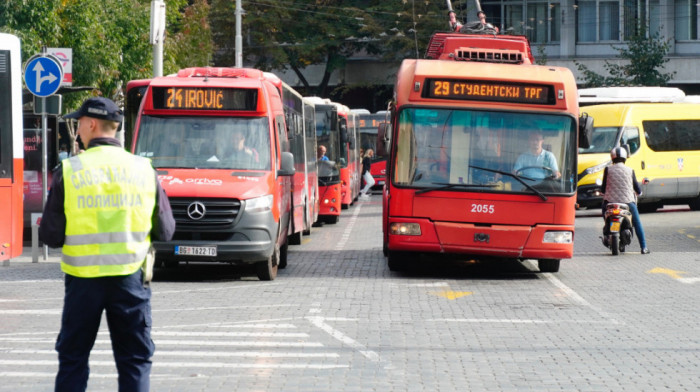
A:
{"x": 517, "y": 177}
{"x": 447, "y": 185}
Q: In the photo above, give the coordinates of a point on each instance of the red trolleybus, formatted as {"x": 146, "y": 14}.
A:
{"x": 11, "y": 148}
{"x": 467, "y": 171}
{"x": 302, "y": 146}
{"x": 218, "y": 139}
{"x": 367, "y": 128}
{"x": 328, "y": 138}
{"x": 350, "y": 162}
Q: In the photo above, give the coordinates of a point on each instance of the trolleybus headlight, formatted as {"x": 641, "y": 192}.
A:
{"x": 259, "y": 204}
{"x": 404, "y": 229}
{"x": 558, "y": 237}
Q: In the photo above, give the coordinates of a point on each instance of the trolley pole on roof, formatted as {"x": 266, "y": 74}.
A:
{"x": 239, "y": 37}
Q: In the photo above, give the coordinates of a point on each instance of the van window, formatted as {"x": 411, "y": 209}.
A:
{"x": 672, "y": 135}
{"x": 630, "y": 136}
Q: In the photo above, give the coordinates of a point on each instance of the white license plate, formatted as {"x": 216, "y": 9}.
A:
{"x": 195, "y": 250}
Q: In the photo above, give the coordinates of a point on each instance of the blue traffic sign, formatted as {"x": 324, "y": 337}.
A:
{"x": 43, "y": 75}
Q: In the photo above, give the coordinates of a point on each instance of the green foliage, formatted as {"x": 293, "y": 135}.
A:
{"x": 294, "y": 34}
{"x": 645, "y": 56}
{"x": 109, "y": 38}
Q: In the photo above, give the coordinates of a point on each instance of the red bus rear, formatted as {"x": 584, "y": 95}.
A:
{"x": 11, "y": 148}
{"x": 468, "y": 174}
{"x": 218, "y": 138}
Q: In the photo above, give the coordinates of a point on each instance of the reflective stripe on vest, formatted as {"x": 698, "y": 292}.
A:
{"x": 109, "y": 203}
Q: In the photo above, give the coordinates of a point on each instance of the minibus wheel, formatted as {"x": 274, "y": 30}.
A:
{"x": 267, "y": 269}
{"x": 548, "y": 265}
{"x": 283, "y": 256}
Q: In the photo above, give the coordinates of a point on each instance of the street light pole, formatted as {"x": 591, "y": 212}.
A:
{"x": 157, "y": 35}
{"x": 239, "y": 37}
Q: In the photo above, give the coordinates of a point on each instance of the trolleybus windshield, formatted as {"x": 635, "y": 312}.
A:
{"x": 205, "y": 142}
{"x": 506, "y": 151}
{"x": 329, "y": 138}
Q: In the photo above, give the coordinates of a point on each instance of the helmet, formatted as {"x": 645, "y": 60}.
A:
{"x": 618, "y": 152}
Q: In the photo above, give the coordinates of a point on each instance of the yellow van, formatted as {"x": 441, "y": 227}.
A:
{"x": 663, "y": 140}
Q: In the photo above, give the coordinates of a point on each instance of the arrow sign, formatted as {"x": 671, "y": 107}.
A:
{"x": 43, "y": 75}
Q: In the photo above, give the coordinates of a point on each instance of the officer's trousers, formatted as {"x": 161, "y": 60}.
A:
{"x": 128, "y": 308}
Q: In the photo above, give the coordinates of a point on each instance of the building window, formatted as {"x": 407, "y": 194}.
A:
{"x": 686, "y": 17}
{"x": 539, "y": 20}
{"x": 598, "y": 21}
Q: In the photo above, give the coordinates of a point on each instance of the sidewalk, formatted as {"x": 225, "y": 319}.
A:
{"x": 54, "y": 256}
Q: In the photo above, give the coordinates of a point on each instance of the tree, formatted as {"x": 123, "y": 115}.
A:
{"x": 293, "y": 35}
{"x": 645, "y": 56}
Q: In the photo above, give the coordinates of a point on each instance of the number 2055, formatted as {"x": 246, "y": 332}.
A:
{"x": 483, "y": 208}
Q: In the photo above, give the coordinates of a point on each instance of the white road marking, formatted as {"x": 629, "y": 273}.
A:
{"x": 234, "y": 334}
{"x": 189, "y": 365}
{"x": 341, "y": 337}
{"x": 192, "y": 354}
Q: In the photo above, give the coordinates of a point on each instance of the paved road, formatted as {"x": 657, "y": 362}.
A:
{"x": 336, "y": 319}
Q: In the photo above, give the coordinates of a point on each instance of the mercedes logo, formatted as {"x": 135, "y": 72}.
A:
{"x": 196, "y": 210}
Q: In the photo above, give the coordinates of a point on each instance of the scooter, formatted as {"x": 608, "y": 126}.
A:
{"x": 617, "y": 232}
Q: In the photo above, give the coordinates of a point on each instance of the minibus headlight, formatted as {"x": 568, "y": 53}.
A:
{"x": 258, "y": 204}
{"x": 558, "y": 237}
{"x": 404, "y": 229}
{"x": 597, "y": 168}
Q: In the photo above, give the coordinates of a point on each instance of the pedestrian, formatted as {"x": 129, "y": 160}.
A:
{"x": 104, "y": 208}
{"x": 366, "y": 174}
{"x": 620, "y": 186}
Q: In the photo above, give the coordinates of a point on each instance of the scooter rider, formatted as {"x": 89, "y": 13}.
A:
{"x": 620, "y": 186}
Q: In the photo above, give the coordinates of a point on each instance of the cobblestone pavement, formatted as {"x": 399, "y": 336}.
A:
{"x": 336, "y": 319}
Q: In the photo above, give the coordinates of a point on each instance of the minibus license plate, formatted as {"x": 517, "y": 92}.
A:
{"x": 615, "y": 226}
{"x": 195, "y": 250}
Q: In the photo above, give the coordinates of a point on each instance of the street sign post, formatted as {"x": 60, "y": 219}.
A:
{"x": 43, "y": 75}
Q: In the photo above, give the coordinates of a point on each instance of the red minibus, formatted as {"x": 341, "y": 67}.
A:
{"x": 367, "y": 127}
{"x": 218, "y": 139}
{"x": 329, "y": 163}
{"x": 482, "y": 156}
{"x": 11, "y": 148}
{"x": 350, "y": 161}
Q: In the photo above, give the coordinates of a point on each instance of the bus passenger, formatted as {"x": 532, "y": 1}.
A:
{"x": 537, "y": 163}
{"x": 241, "y": 151}
{"x": 486, "y": 153}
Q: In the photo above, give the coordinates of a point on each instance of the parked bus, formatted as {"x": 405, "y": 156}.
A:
{"x": 218, "y": 139}
{"x": 302, "y": 144}
{"x": 664, "y": 151}
{"x": 367, "y": 127}
{"x": 329, "y": 163}
{"x": 350, "y": 161}
{"x": 11, "y": 147}
{"x": 466, "y": 172}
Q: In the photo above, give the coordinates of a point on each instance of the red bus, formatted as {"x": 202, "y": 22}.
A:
{"x": 218, "y": 139}
{"x": 350, "y": 161}
{"x": 468, "y": 174}
{"x": 329, "y": 165}
{"x": 11, "y": 148}
{"x": 302, "y": 143}
{"x": 367, "y": 127}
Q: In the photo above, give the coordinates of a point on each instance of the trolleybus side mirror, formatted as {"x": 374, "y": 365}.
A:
{"x": 585, "y": 130}
{"x": 287, "y": 165}
{"x": 343, "y": 133}
{"x": 382, "y": 145}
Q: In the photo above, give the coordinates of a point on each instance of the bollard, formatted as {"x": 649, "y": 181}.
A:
{"x": 36, "y": 220}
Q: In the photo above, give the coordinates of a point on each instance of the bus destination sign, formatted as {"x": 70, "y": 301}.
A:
{"x": 204, "y": 98}
{"x": 480, "y": 90}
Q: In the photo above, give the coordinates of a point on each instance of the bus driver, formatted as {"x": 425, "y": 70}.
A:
{"x": 537, "y": 163}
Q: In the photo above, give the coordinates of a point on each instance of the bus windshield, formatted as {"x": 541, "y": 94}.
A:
{"x": 604, "y": 139}
{"x": 328, "y": 138}
{"x": 205, "y": 142}
{"x": 485, "y": 151}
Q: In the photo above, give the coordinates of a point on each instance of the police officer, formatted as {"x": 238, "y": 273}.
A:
{"x": 104, "y": 208}
{"x": 620, "y": 186}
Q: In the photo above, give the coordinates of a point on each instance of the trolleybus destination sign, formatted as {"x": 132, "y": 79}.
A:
{"x": 204, "y": 98}
{"x": 490, "y": 91}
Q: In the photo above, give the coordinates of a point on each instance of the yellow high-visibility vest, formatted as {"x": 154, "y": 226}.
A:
{"x": 110, "y": 196}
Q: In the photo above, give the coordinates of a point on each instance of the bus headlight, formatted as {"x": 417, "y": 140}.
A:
{"x": 558, "y": 237}
{"x": 259, "y": 204}
{"x": 404, "y": 229}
